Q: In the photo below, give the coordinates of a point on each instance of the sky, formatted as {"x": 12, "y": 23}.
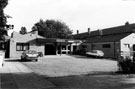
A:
{"x": 77, "y": 14}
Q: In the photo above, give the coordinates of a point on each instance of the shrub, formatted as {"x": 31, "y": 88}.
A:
{"x": 126, "y": 65}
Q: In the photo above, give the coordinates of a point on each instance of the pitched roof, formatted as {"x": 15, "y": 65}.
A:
{"x": 107, "y": 38}
{"x": 107, "y": 33}
{"x": 26, "y": 37}
{"x": 81, "y": 36}
{"x": 118, "y": 30}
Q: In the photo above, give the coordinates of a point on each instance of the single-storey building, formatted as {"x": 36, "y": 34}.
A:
{"x": 113, "y": 41}
{"x": 32, "y": 41}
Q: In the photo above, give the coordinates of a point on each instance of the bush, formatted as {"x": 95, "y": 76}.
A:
{"x": 126, "y": 65}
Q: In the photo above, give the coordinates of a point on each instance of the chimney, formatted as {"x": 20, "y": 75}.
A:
{"x": 77, "y": 31}
{"x": 127, "y": 23}
{"x": 88, "y": 30}
{"x": 100, "y": 32}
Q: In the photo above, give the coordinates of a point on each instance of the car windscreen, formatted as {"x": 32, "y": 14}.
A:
{"x": 94, "y": 51}
{"x": 32, "y": 52}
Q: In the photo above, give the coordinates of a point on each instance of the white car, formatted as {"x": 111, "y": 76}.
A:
{"x": 30, "y": 55}
{"x": 95, "y": 53}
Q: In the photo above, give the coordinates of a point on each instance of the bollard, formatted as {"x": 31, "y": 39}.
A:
{"x": 2, "y": 56}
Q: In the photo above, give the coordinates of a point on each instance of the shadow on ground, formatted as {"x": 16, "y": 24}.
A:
{"x": 13, "y": 60}
{"x": 24, "y": 81}
{"x": 92, "y": 57}
{"x": 99, "y": 81}
{"x": 17, "y": 60}
{"x": 80, "y": 56}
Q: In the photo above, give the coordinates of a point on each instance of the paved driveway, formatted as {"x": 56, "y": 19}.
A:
{"x": 54, "y": 66}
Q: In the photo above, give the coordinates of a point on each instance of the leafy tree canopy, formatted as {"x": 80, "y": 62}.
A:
{"x": 52, "y": 29}
{"x": 3, "y": 4}
{"x": 23, "y": 30}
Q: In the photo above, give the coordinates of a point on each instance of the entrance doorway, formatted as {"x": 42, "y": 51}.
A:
{"x": 50, "y": 49}
{"x": 133, "y": 47}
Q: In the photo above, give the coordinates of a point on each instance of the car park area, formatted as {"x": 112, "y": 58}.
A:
{"x": 66, "y": 65}
{"x": 65, "y": 71}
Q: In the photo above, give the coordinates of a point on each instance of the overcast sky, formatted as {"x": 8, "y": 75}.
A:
{"x": 77, "y": 14}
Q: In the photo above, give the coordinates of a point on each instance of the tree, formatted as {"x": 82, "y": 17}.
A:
{"x": 23, "y": 30}
{"x": 3, "y": 19}
{"x": 52, "y": 29}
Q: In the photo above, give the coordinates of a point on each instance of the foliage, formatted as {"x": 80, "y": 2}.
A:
{"x": 52, "y": 29}
{"x": 126, "y": 65}
{"x": 3, "y": 19}
{"x": 3, "y": 3}
{"x": 23, "y": 30}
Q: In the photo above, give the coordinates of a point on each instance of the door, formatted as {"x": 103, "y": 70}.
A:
{"x": 133, "y": 47}
{"x": 50, "y": 49}
{"x": 134, "y": 51}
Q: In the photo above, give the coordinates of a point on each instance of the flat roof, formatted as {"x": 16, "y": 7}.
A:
{"x": 52, "y": 40}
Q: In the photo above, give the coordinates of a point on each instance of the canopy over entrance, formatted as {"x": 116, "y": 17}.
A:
{"x": 58, "y": 46}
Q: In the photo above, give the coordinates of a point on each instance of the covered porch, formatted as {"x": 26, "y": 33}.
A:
{"x": 55, "y": 46}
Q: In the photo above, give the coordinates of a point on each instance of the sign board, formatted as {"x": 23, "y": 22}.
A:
{"x": 70, "y": 41}
{"x": 60, "y": 40}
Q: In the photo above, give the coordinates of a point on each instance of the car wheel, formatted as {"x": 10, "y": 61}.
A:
{"x": 22, "y": 59}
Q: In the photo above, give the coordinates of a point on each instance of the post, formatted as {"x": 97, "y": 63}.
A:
{"x": 2, "y": 56}
{"x": 56, "y": 45}
{"x": 71, "y": 48}
{"x": 66, "y": 49}
{"x": 60, "y": 49}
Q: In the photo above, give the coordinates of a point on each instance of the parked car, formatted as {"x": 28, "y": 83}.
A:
{"x": 95, "y": 53}
{"x": 30, "y": 55}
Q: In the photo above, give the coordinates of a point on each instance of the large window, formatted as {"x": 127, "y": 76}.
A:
{"x": 22, "y": 46}
{"x": 106, "y": 46}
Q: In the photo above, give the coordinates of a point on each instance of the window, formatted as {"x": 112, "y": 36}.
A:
{"x": 106, "y": 46}
{"x": 127, "y": 45}
{"x": 22, "y": 46}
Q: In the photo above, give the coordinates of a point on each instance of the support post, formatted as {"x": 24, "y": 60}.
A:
{"x": 66, "y": 49}
{"x": 71, "y": 48}
{"x": 56, "y": 45}
{"x": 60, "y": 49}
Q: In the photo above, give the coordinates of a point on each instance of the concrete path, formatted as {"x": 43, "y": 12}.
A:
{"x": 15, "y": 75}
